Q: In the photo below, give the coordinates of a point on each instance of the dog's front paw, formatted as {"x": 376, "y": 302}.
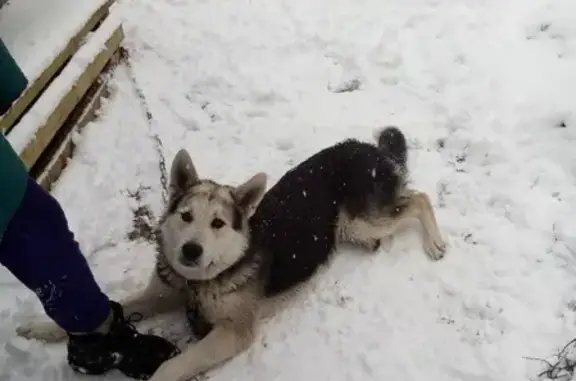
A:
{"x": 41, "y": 330}
{"x": 435, "y": 247}
{"x": 171, "y": 370}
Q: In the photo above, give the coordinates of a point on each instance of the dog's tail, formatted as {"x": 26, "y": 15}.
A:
{"x": 393, "y": 141}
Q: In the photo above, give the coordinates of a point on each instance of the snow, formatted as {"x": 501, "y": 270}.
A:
{"x": 483, "y": 89}
{"x": 35, "y": 32}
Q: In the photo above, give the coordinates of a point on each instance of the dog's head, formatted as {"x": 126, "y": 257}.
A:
{"x": 205, "y": 229}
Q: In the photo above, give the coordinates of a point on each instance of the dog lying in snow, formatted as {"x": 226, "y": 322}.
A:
{"x": 225, "y": 252}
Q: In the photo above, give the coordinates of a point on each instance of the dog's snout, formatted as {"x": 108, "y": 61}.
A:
{"x": 191, "y": 253}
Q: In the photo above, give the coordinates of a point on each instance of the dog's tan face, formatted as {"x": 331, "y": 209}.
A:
{"x": 206, "y": 228}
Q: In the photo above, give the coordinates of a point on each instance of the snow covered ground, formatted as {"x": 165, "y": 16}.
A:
{"x": 484, "y": 89}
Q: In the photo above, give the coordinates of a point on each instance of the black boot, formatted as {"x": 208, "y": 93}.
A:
{"x": 122, "y": 347}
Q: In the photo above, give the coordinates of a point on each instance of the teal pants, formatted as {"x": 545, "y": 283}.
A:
{"x": 12, "y": 81}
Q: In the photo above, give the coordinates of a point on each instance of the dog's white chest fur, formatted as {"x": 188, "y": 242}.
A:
{"x": 219, "y": 303}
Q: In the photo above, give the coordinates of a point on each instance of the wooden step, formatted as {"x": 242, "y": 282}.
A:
{"x": 42, "y": 136}
{"x": 54, "y": 158}
{"x": 55, "y": 53}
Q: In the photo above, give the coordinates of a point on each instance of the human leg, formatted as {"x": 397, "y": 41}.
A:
{"x": 40, "y": 250}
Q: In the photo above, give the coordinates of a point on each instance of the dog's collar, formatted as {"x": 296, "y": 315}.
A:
{"x": 167, "y": 274}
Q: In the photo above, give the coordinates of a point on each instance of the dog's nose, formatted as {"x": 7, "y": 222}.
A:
{"x": 191, "y": 253}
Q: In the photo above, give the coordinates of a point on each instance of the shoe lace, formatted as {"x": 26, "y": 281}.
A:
{"x": 134, "y": 317}
{"x": 128, "y": 329}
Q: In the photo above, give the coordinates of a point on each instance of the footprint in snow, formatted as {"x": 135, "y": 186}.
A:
{"x": 284, "y": 144}
{"x": 347, "y": 86}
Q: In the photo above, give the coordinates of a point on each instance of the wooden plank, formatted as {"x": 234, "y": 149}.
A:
{"x": 34, "y": 90}
{"x": 55, "y": 158}
{"x": 37, "y": 128}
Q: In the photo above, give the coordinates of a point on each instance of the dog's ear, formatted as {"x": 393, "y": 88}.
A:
{"x": 249, "y": 194}
{"x": 183, "y": 175}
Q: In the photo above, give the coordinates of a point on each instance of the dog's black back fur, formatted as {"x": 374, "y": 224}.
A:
{"x": 294, "y": 224}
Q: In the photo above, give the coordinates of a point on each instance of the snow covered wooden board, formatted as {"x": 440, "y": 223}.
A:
{"x": 42, "y": 43}
{"x": 55, "y": 157}
{"x": 40, "y": 124}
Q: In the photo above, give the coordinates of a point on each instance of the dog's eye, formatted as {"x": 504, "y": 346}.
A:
{"x": 186, "y": 216}
{"x": 217, "y": 223}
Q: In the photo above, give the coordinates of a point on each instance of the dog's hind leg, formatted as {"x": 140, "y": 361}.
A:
{"x": 371, "y": 232}
{"x": 363, "y": 232}
{"x": 418, "y": 205}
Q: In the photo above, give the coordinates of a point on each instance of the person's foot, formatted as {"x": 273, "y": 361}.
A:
{"x": 122, "y": 347}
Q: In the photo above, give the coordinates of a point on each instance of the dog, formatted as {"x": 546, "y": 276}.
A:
{"x": 224, "y": 252}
